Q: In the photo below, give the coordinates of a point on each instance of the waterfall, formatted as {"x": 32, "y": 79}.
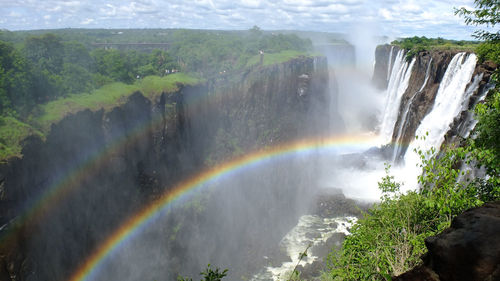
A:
{"x": 451, "y": 99}
{"x": 398, "y": 82}
{"x": 403, "y": 121}
{"x": 389, "y": 64}
{"x": 470, "y": 122}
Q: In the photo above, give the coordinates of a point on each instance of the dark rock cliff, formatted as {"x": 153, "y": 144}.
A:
{"x": 382, "y": 69}
{"x": 95, "y": 169}
{"x": 468, "y": 250}
{"x": 418, "y": 99}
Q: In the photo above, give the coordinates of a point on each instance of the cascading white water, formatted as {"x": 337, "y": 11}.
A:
{"x": 403, "y": 120}
{"x": 450, "y": 100}
{"x": 398, "y": 82}
{"x": 311, "y": 231}
{"x": 389, "y": 64}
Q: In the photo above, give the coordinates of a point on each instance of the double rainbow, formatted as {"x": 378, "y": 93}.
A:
{"x": 139, "y": 221}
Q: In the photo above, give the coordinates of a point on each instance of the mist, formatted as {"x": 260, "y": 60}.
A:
{"x": 240, "y": 222}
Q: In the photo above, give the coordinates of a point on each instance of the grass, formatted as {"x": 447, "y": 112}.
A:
{"x": 455, "y": 47}
{"x": 12, "y": 132}
{"x": 275, "y": 58}
{"x": 110, "y": 96}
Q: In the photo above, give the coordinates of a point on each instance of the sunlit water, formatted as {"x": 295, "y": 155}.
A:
{"x": 311, "y": 231}
{"x": 358, "y": 177}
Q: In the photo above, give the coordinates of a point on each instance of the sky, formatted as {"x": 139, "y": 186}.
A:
{"x": 392, "y": 18}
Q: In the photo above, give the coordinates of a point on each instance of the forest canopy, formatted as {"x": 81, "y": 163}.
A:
{"x": 38, "y": 66}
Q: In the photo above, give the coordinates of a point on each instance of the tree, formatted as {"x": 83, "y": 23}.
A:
{"x": 77, "y": 53}
{"x": 255, "y": 31}
{"x": 487, "y": 13}
{"x": 208, "y": 275}
{"x": 16, "y": 88}
{"x": 46, "y": 52}
{"x": 114, "y": 64}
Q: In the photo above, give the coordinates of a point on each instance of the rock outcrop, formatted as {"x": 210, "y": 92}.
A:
{"x": 96, "y": 168}
{"x": 468, "y": 250}
{"x": 384, "y": 59}
{"x": 418, "y": 98}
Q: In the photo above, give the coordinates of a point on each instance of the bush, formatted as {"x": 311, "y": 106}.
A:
{"x": 389, "y": 240}
{"x": 489, "y": 51}
{"x": 208, "y": 275}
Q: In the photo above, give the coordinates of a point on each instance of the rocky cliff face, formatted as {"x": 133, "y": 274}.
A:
{"x": 94, "y": 169}
{"x": 468, "y": 250}
{"x": 418, "y": 98}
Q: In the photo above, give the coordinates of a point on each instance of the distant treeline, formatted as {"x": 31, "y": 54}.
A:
{"x": 484, "y": 50}
{"x": 40, "y": 66}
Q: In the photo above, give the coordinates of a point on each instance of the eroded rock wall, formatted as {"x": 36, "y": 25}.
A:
{"x": 468, "y": 250}
{"x": 418, "y": 98}
{"x": 101, "y": 167}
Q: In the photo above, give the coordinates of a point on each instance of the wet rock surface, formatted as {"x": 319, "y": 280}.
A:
{"x": 330, "y": 203}
{"x": 468, "y": 250}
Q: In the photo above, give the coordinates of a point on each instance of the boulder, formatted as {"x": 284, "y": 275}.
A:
{"x": 468, "y": 250}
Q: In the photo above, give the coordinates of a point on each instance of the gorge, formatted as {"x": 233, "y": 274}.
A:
{"x": 221, "y": 170}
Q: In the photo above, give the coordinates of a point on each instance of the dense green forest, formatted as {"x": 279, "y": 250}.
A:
{"x": 38, "y": 68}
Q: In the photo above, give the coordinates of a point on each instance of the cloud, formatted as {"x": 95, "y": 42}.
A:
{"x": 87, "y": 21}
{"x": 412, "y": 17}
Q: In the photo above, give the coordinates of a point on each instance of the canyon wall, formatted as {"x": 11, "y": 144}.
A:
{"x": 419, "y": 94}
{"x": 96, "y": 168}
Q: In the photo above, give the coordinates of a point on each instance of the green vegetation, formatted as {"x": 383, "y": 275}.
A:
{"x": 489, "y": 51}
{"x": 46, "y": 75}
{"x": 275, "y": 58}
{"x": 12, "y": 132}
{"x": 208, "y": 275}
{"x": 389, "y": 239}
{"x": 486, "y": 13}
{"x": 416, "y": 44}
{"x": 109, "y": 96}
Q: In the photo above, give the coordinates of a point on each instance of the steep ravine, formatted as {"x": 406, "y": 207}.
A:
{"x": 96, "y": 168}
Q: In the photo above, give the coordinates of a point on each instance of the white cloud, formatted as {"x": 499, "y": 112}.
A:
{"x": 385, "y": 13}
{"x": 87, "y": 21}
{"x": 415, "y": 17}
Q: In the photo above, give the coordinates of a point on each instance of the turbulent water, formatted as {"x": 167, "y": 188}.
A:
{"x": 310, "y": 233}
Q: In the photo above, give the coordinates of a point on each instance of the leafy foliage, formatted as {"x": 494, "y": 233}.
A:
{"x": 12, "y": 132}
{"x": 416, "y": 44}
{"x": 489, "y": 51}
{"x": 487, "y": 135}
{"x": 17, "y": 91}
{"x": 389, "y": 240}
{"x": 487, "y": 13}
{"x": 208, "y": 274}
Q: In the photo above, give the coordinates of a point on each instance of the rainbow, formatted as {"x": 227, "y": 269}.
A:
{"x": 138, "y": 221}
{"x": 40, "y": 206}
